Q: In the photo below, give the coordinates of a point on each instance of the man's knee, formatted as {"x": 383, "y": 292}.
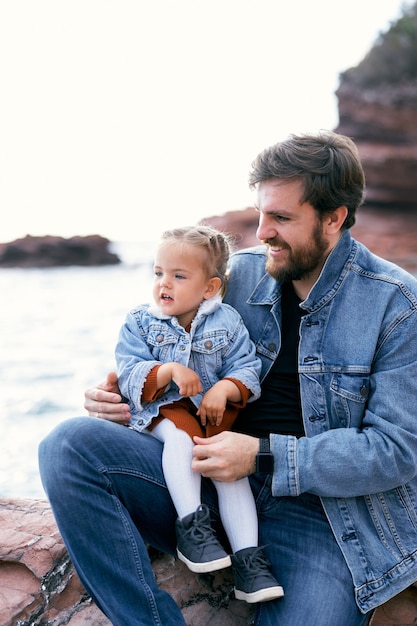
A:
{"x": 52, "y": 451}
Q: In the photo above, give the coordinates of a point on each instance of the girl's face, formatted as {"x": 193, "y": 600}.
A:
{"x": 181, "y": 282}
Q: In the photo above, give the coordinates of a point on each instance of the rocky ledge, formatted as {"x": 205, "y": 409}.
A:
{"x": 51, "y": 251}
{"x": 39, "y": 586}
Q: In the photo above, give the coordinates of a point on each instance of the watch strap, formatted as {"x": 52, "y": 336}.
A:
{"x": 264, "y": 462}
{"x": 264, "y": 445}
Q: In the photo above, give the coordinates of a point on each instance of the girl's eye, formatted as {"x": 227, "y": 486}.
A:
{"x": 179, "y": 276}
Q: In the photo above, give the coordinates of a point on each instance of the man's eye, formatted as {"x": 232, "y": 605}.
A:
{"x": 281, "y": 218}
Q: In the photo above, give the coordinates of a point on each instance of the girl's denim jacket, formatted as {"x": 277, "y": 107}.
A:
{"x": 217, "y": 346}
{"x": 358, "y": 378}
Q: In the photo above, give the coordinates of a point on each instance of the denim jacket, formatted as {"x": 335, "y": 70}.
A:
{"x": 358, "y": 379}
{"x": 217, "y": 346}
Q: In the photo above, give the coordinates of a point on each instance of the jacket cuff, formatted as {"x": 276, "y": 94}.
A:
{"x": 244, "y": 392}
{"x": 150, "y": 393}
{"x": 285, "y": 480}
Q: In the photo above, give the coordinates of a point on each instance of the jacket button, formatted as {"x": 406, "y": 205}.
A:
{"x": 159, "y": 338}
{"x": 208, "y": 345}
{"x": 315, "y": 418}
{"x": 272, "y": 347}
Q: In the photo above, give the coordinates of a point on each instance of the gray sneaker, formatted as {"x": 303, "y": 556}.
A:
{"x": 254, "y": 581}
{"x": 197, "y": 545}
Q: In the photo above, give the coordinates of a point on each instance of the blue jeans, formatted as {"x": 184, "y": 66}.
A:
{"x": 108, "y": 495}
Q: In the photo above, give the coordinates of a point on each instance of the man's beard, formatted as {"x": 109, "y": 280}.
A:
{"x": 301, "y": 263}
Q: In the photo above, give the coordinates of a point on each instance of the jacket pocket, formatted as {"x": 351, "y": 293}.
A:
{"x": 207, "y": 356}
{"x": 208, "y": 343}
{"x": 162, "y": 343}
{"x": 395, "y": 519}
{"x": 349, "y": 397}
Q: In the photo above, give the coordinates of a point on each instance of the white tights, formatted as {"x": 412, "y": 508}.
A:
{"x": 236, "y": 503}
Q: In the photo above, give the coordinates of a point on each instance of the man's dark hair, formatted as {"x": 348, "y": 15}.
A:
{"x": 327, "y": 164}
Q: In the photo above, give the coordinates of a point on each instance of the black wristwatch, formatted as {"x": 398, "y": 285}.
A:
{"x": 264, "y": 461}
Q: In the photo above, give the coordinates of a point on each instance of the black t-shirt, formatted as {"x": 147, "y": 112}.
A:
{"x": 278, "y": 410}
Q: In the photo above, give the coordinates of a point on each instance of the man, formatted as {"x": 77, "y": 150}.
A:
{"x": 336, "y": 329}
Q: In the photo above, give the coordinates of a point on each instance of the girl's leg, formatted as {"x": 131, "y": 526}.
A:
{"x": 254, "y": 581}
{"x": 183, "y": 484}
{"x": 198, "y": 546}
{"x": 107, "y": 491}
{"x": 238, "y": 513}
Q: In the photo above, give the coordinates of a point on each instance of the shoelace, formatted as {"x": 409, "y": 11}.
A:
{"x": 201, "y": 529}
{"x": 256, "y": 561}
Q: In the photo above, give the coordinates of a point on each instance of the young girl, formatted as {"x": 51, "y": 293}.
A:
{"x": 187, "y": 365}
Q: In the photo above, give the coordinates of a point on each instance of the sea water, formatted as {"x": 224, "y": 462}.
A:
{"x": 58, "y": 330}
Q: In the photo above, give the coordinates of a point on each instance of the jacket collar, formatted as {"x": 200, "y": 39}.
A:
{"x": 339, "y": 261}
{"x": 333, "y": 274}
{"x": 205, "y": 308}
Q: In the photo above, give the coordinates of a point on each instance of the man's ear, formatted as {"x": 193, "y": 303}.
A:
{"x": 334, "y": 221}
{"x": 213, "y": 287}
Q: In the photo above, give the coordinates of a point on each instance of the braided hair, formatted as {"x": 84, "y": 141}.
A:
{"x": 217, "y": 245}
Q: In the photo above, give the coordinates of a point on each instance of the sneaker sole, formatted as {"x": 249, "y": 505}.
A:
{"x": 262, "y": 595}
{"x": 208, "y": 566}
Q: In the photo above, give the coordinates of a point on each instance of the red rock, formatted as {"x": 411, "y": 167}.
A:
{"x": 38, "y": 583}
{"x": 50, "y": 251}
{"x": 36, "y": 576}
{"x": 400, "y": 611}
{"x": 383, "y": 123}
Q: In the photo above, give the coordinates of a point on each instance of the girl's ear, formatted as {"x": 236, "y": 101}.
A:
{"x": 213, "y": 287}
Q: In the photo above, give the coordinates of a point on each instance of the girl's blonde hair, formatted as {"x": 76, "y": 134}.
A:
{"x": 217, "y": 245}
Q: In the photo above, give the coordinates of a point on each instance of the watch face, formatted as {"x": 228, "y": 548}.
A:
{"x": 265, "y": 463}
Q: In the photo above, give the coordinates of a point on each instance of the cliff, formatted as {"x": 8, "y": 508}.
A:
{"x": 383, "y": 123}
{"x": 377, "y": 103}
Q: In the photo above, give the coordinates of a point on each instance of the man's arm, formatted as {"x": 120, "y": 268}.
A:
{"x": 105, "y": 401}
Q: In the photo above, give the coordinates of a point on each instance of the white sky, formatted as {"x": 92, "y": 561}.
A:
{"x": 126, "y": 117}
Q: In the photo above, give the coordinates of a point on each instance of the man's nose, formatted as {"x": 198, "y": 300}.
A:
{"x": 266, "y": 228}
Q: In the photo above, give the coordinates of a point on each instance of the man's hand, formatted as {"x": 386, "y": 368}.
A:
{"x": 227, "y": 456}
{"x": 105, "y": 401}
